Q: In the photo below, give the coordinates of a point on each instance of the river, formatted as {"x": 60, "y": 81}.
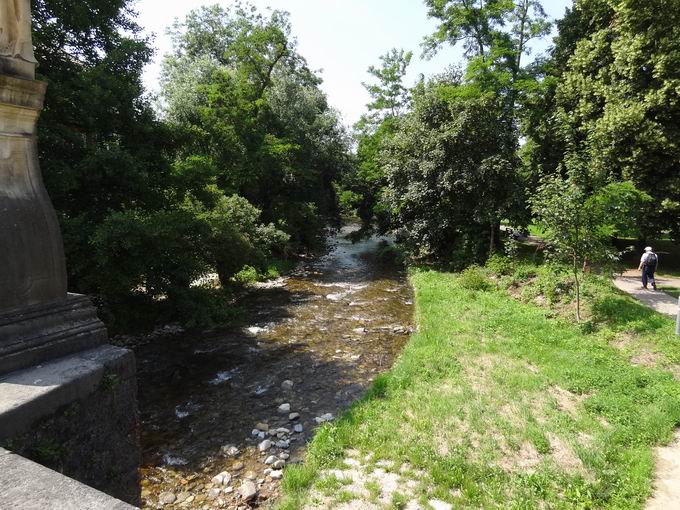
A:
{"x": 315, "y": 340}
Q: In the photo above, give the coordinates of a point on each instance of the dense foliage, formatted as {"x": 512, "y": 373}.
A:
{"x": 238, "y": 171}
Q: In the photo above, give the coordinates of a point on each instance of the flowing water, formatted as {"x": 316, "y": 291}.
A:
{"x": 329, "y": 327}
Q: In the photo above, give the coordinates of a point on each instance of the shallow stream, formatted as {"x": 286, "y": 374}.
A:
{"x": 329, "y": 327}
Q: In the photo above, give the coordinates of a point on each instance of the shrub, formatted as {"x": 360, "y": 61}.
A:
{"x": 500, "y": 264}
{"x": 248, "y": 274}
{"x": 474, "y": 278}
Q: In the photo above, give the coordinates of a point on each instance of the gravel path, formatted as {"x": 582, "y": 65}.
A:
{"x": 659, "y": 301}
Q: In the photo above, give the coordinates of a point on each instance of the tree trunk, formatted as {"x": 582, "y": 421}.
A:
{"x": 578, "y": 291}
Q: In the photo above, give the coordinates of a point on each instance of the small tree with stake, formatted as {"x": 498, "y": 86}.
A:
{"x": 579, "y": 226}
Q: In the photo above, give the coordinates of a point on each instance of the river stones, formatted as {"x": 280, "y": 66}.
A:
{"x": 247, "y": 490}
{"x": 284, "y": 408}
{"x": 270, "y": 460}
{"x": 264, "y": 445}
{"x": 230, "y": 450}
{"x": 166, "y": 498}
{"x": 262, "y": 427}
{"x": 222, "y": 479}
{"x": 298, "y": 428}
{"x": 287, "y": 385}
{"x": 293, "y": 416}
{"x": 276, "y": 475}
{"x": 279, "y": 464}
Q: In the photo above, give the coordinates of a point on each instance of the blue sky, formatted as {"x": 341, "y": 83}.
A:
{"x": 340, "y": 37}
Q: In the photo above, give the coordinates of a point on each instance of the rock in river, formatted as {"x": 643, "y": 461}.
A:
{"x": 167, "y": 498}
{"x": 248, "y": 490}
{"x": 284, "y": 408}
{"x": 287, "y": 385}
{"x": 264, "y": 445}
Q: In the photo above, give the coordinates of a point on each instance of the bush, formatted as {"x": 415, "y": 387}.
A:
{"x": 474, "y": 278}
{"x": 246, "y": 275}
{"x": 500, "y": 264}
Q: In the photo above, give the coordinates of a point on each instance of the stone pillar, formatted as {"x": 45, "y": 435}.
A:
{"x": 63, "y": 389}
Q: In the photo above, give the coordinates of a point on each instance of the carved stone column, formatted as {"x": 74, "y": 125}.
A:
{"x": 38, "y": 319}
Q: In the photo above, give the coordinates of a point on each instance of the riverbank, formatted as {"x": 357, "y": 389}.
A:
{"x": 500, "y": 401}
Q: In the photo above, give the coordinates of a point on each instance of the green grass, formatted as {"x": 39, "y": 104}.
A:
{"x": 672, "y": 291}
{"x": 504, "y": 403}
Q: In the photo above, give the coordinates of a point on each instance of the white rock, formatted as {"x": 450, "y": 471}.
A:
{"x": 267, "y": 471}
{"x": 167, "y": 498}
{"x": 226, "y": 477}
{"x": 284, "y": 456}
{"x": 261, "y": 435}
{"x": 229, "y": 490}
{"x": 255, "y": 432}
{"x": 283, "y": 444}
{"x": 293, "y": 416}
{"x": 218, "y": 479}
{"x": 298, "y": 428}
{"x": 264, "y": 445}
{"x": 437, "y": 504}
{"x": 247, "y": 490}
{"x": 284, "y": 408}
{"x": 214, "y": 493}
{"x": 270, "y": 460}
{"x": 276, "y": 475}
{"x": 262, "y": 426}
{"x": 230, "y": 450}
{"x": 287, "y": 385}
{"x": 282, "y": 430}
{"x": 279, "y": 464}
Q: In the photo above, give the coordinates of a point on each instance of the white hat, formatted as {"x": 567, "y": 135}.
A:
{"x": 648, "y": 248}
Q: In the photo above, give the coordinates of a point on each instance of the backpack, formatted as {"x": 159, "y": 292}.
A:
{"x": 651, "y": 259}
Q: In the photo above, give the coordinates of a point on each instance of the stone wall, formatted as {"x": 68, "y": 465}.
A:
{"x": 92, "y": 434}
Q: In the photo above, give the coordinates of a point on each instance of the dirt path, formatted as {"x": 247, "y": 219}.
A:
{"x": 659, "y": 301}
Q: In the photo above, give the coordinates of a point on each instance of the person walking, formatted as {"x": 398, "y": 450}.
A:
{"x": 648, "y": 265}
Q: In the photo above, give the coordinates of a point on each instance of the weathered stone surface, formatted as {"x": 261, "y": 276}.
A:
{"x": 84, "y": 403}
{"x": 30, "y": 486}
{"x": 39, "y": 333}
{"x": 34, "y": 269}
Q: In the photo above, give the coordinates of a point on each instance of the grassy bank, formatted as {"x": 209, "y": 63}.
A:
{"x": 498, "y": 401}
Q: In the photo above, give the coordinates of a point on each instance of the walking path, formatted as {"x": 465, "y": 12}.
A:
{"x": 660, "y": 301}
{"x": 666, "y": 487}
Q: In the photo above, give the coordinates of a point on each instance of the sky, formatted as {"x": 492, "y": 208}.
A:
{"x": 341, "y": 38}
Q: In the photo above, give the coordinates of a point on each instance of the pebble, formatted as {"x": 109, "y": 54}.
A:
{"x": 237, "y": 466}
{"x": 229, "y": 490}
{"x": 214, "y": 493}
{"x": 276, "y": 475}
{"x": 270, "y": 460}
{"x": 182, "y": 497}
{"x": 324, "y": 418}
{"x": 282, "y": 430}
{"x": 293, "y": 416}
{"x": 298, "y": 428}
{"x": 167, "y": 498}
{"x": 287, "y": 385}
{"x": 247, "y": 490}
{"x": 284, "y": 408}
{"x": 284, "y": 456}
{"x": 279, "y": 464}
{"x": 264, "y": 445}
{"x": 262, "y": 426}
{"x": 250, "y": 475}
{"x": 283, "y": 444}
{"x": 255, "y": 432}
{"x": 267, "y": 471}
{"x": 230, "y": 450}
{"x": 437, "y": 504}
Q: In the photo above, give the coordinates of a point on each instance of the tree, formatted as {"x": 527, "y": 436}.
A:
{"x": 448, "y": 180}
{"x": 579, "y": 226}
{"x": 612, "y": 110}
{"x": 254, "y": 117}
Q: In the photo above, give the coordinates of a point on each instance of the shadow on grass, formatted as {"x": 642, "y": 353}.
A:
{"x": 622, "y": 312}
